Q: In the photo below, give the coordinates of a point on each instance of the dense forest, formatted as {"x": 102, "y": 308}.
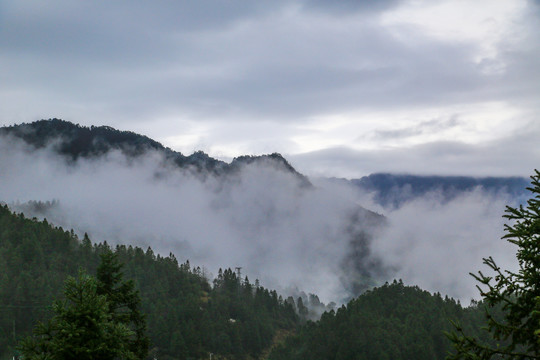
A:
{"x": 187, "y": 317}
{"x": 191, "y": 317}
{"x": 393, "y": 321}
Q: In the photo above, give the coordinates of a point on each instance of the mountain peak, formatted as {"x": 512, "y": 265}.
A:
{"x": 275, "y": 159}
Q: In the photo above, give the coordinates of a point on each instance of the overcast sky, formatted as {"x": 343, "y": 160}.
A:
{"x": 341, "y": 88}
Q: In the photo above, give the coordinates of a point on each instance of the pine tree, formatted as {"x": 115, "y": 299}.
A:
{"x": 302, "y": 309}
{"x": 124, "y": 301}
{"x": 517, "y": 293}
{"x": 82, "y": 327}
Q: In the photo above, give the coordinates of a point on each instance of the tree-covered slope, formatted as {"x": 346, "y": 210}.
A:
{"x": 187, "y": 317}
{"x": 393, "y": 321}
{"x": 231, "y": 318}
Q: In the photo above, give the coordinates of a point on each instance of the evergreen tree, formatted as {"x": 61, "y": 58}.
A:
{"x": 517, "y": 293}
{"x": 302, "y": 309}
{"x": 82, "y": 328}
{"x": 124, "y": 301}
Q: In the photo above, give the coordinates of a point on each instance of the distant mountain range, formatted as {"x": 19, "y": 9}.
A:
{"x": 393, "y": 190}
{"x": 74, "y": 141}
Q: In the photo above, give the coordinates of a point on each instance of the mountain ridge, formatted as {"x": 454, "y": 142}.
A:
{"x": 393, "y": 190}
{"x": 74, "y": 141}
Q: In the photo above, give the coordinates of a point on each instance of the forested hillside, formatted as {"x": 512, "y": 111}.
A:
{"x": 391, "y": 322}
{"x": 233, "y": 318}
{"x": 187, "y": 316}
{"x": 127, "y": 188}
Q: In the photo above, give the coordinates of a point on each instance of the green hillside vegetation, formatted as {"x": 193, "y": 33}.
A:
{"x": 231, "y": 318}
{"x": 516, "y": 329}
{"x": 187, "y": 317}
{"x": 403, "y": 322}
{"x": 393, "y": 321}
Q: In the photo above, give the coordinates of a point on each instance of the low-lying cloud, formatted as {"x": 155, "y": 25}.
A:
{"x": 261, "y": 219}
{"x": 435, "y": 243}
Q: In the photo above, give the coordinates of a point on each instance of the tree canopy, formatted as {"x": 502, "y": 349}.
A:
{"x": 186, "y": 316}
{"x": 517, "y": 332}
{"x": 83, "y": 327}
{"x": 124, "y": 301}
{"x": 393, "y": 321}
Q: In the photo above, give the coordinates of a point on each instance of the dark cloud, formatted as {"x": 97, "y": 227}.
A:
{"x": 255, "y": 58}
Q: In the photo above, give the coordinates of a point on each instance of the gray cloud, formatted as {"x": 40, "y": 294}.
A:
{"x": 259, "y": 58}
{"x": 515, "y": 154}
{"x": 351, "y": 6}
{"x": 436, "y": 246}
{"x": 429, "y": 126}
{"x": 159, "y": 67}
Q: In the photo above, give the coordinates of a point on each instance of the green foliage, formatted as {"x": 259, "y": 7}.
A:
{"x": 517, "y": 293}
{"x": 83, "y": 327}
{"x": 390, "y": 322}
{"x": 124, "y": 301}
{"x": 248, "y": 315}
{"x": 186, "y": 316}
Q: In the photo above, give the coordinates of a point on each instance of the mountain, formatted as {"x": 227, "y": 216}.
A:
{"x": 243, "y": 215}
{"x": 393, "y": 190}
{"x": 74, "y": 141}
{"x": 254, "y": 202}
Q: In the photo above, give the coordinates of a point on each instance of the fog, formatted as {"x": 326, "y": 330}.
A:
{"x": 261, "y": 219}
{"x": 435, "y": 244}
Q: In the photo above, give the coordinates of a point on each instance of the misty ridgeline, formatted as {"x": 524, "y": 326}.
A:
{"x": 259, "y": 213}
{"x": 310, "y": 239}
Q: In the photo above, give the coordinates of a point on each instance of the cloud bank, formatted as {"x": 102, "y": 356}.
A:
{"x": 261, "y": 219}
{"x": 435, "y": 244}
